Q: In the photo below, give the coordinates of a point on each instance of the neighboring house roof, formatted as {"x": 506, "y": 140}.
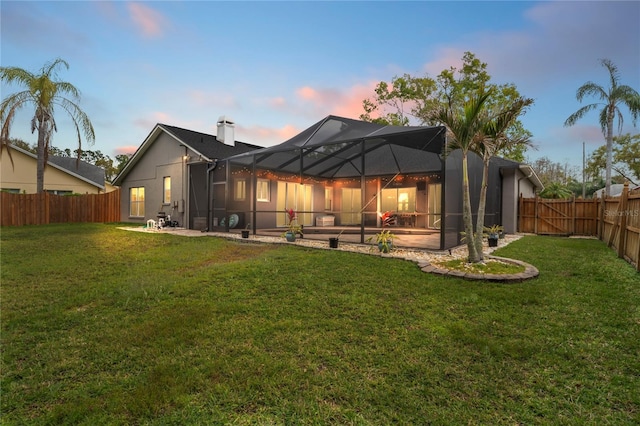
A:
{"x": 82, "y": 170}
{"x": 89, "y": 172}
{"x": 205, "y": 145}
{"x": 615, "y": 190}
{"x": 332, "y": 148}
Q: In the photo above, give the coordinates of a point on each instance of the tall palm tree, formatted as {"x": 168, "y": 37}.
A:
{"x": 464, "y": 126}
{"x": 495, "y": 139}
{"x": 44, "y": 93}
{"x": 612, "y": 97}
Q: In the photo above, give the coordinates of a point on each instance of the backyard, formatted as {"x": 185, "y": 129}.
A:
{"x": 105, "y": 326}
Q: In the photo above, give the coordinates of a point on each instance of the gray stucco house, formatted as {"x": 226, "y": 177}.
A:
{"x": 167, "y": 175}
{"x": 339, "y": 172}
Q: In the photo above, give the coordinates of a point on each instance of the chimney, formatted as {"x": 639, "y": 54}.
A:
{"x": 226, "y": 133}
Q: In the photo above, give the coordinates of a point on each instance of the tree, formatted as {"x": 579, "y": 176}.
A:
{"x": 556, "y": 190}
{"x": 464, "y": 125}
{"x": 625, "y": 162}
{"x": 44, "y": 93}
{"x": 495, "y": 138}
{"x": 413, "y": 99}
{"x": 612, "y": 97}
{"x": 122, "y": 160}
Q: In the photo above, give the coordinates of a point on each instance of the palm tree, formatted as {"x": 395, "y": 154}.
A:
{"x": 613, "y": 96}
{"x": 44, "y": 93}
{"x": 495, "y": 139}
{"x": 465, "y": 128}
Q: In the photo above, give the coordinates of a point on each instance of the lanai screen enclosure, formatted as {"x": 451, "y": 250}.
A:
{"x": 345, "y": 173}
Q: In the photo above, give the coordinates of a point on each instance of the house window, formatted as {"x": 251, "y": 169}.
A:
{"x": 166, "y": 190}
{"x": 11, "y": 190}
{"x": 328, "y": 199}
{"x": 240, "y": 189}
{"x": 262, "y": 190}
{"x": 136, "y": 202}
{"x": 59, "y": 192}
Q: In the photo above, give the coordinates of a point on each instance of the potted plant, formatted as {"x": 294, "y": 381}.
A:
{"x": 493, "y": 234}
{"x": 384, "y": 240}
{"x": 293, "y": 228}
{"x": 333, "y": 241}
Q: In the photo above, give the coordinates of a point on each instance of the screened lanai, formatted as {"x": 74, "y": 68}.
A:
{"x": 341, "y": 176}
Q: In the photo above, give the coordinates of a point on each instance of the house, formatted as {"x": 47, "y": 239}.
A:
{"x": 339, "y": 173}
{"x": 62, "y": 176}
{"x": 351, "y": 172}
{"x": 167, "y": 175}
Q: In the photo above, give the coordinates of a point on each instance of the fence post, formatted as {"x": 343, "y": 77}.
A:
{"x": 535, "y": 215}
{"x": 622, "y": 215}
{"x": 573, "y": 213}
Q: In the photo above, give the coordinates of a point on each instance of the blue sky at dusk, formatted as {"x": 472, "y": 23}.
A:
{"x": 278, "y": 67}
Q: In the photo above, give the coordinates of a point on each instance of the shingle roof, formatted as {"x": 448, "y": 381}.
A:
{"x": 201, "y": 143}
{"x": 88, "y": 171}
{"x": 208, "y": 145}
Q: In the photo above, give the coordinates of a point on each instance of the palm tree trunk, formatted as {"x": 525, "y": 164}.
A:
{"x": 609, "y": 164}
{"x": 467, "y": 214}
{"x": 41, "y": 156}
{"x": 481, "y": 208}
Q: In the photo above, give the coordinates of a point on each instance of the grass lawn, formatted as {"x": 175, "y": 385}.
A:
{"x": 104, "y": 326}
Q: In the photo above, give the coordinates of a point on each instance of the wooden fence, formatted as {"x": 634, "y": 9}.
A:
{"x": 45, "y": 208}
{"x": 614, "y": 220}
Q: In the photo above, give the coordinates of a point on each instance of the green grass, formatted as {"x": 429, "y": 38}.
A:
{"x": 104, "y": 326}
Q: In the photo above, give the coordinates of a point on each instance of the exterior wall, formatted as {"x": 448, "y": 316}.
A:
{"x": 164, "y": 157}
{"x": 22, "y": 176}
{"x": 514, "y": 183}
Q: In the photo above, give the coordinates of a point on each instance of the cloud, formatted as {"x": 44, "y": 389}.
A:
{"x": 125, "y": 149}
{"x": 345, "y": 102}
{"x": 266, "y": 136}
{"x": 149, "y": 22}
{"x": 24, "y": 24}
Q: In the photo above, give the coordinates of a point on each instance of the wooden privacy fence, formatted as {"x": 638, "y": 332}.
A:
{"x": 614, "y": 220}
{"x": 45, "y": 208}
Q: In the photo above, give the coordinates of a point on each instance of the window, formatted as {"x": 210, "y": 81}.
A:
{"x": 11, "y": 190}
{"x": 262, "y": 190}
{"x": 166, "y": 193}
{"x": 240, "y": 189}
{"x": 399, "y": 200}
{"x": 328, "y": 199}
{"x": 136, "y": 202}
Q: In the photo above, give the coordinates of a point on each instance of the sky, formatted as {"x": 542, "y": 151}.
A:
{"x": 276, "y": 68}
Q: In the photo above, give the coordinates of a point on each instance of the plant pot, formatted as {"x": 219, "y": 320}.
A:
{"x": 245, "y": 234}
{"x": 385, "y": 248}
{"x": 290, "y": 236}
{"x": 333, "y": 243}
{"x": 493, "y": 242}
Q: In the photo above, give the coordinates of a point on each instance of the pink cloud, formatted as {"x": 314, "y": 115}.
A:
{"x": 266, "y": 136}
{"x": 126, "y": 149}
{"x": 150, "y": 22}
{"x": 343, "y": 102}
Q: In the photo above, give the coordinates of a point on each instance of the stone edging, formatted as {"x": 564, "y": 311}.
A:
{"x": 426, "y": 266}
{"x": 530, "y": 271}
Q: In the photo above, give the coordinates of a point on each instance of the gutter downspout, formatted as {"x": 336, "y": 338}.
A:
{"x": 210, "y": 168}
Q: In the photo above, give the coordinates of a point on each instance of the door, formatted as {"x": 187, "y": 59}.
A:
{"x": 351, "y": 206}
{"x": 294, "y": 196}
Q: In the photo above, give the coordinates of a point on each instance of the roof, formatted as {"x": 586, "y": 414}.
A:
{"x": 337, "y": 147}
{"x": 89, "y": 171}
{"x": 79, "y": 169}
{"x": 205, "y": 145}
